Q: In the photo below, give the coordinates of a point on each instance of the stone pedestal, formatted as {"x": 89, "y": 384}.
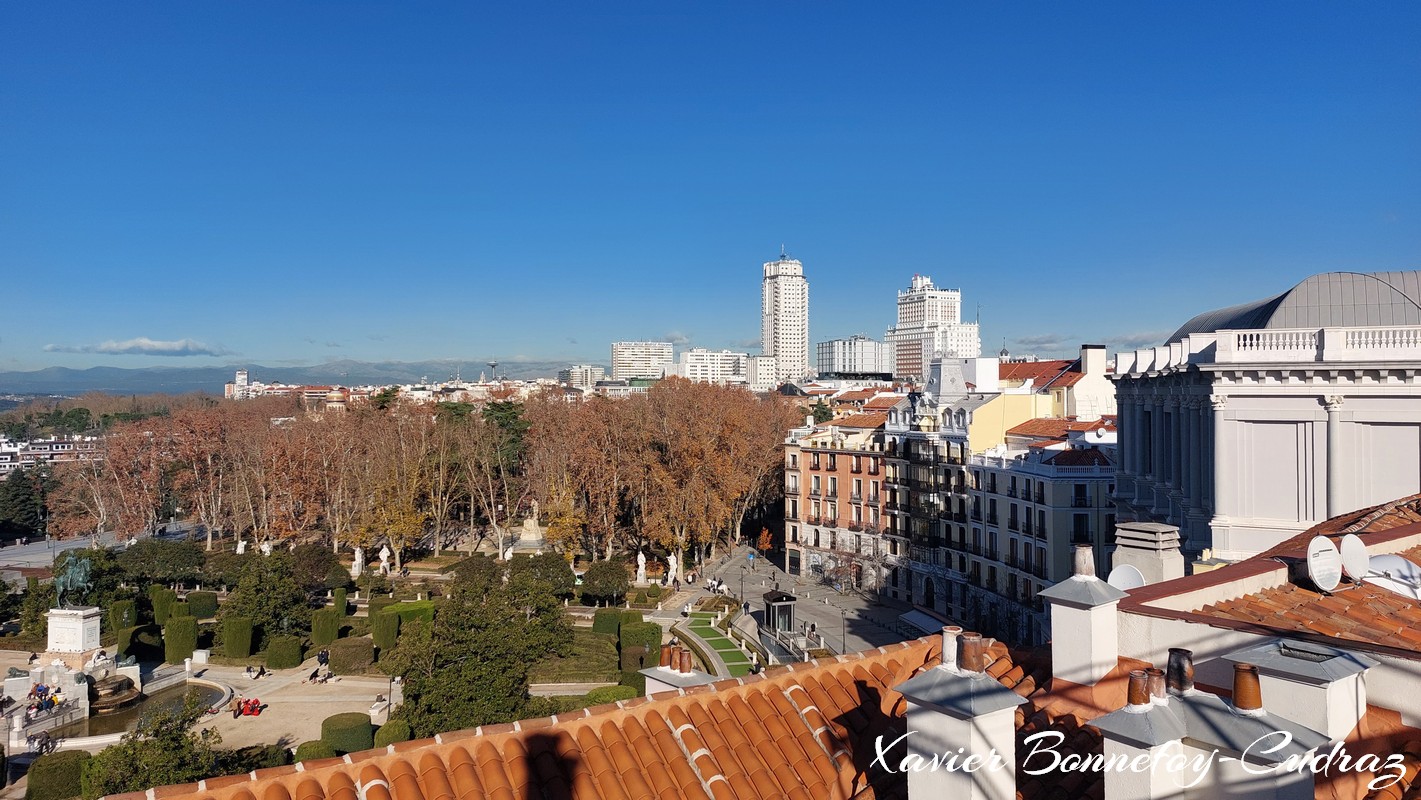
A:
{"x": 73, "y": 635}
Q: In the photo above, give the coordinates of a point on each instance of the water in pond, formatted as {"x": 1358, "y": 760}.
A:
{"x": 127, "y": 720}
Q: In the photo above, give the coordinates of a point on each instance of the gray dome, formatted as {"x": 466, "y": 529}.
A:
{"x": 1330, "y": 299}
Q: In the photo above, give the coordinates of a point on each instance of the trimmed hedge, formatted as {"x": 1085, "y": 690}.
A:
{"x": 352, "y": 656}
{"x": 325, "y": 626}
{"x": 202, "y": 605}
{"x": 653, "y": 592}
{"x": 609, "y": 694}
{"x": 640, "y": 645}
{"x": 163, "y": 600}
{"x": 57, "y": 776}
{"x": 338, "y": 599}
{"x": 606, "y": 620}
{"x": 144, "y": 642}
{"x": 630, "y": 617}
{"x": 316, "y": 748}
{"x": 378, "y": 604}
{"x": 237, "y": 637}
{"x": 414, "y": 609}
{"x": 283, "y": 652}
{"x": 348, "y": 733}
{"x": 179, "y": 638}
{"x": 179, "y": 608}
{"x": 396, "y": 730}
{"x": 635, "y": 680}
{"x": 385, "y": 630}
{"x": 122, "y": 614}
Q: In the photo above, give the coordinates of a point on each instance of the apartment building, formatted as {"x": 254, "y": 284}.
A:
{"x": 856, "y": 355}
{"x": 710, "y": 366}
{"x": 784, "y": 317}
{"x": 15, "y": 455}
{"x": 640, "y": 360}
{"x": 581, "y": 376}
{"x": 930, "y": 325}
{"x": 834, "y": 502}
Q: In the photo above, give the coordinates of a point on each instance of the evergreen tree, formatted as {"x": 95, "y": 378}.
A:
{"x": 267, "y": 594}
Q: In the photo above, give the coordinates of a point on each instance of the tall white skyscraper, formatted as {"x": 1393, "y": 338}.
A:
{"x": 784, "y": 318}
{"x": 930, "y": 323}
{"x": 640, "y": 359}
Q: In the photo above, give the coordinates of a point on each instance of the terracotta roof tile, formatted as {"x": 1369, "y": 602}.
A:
{"x": 883, "y": 403}
{"x": 1040, "y": 371}
{"x": 874, "y": 419}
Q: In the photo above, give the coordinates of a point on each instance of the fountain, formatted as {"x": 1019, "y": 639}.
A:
{"x": 112, "y": 694}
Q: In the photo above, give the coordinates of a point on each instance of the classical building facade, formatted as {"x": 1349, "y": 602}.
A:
{"x": 784, "y": 317}
{"x": 1257, "y": 421}
{"x": 640, "y": 360}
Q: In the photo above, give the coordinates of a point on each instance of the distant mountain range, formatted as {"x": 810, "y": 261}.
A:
{"x": 177, "y": 380}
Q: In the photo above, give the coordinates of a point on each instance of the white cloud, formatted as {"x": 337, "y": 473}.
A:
{"x": 677, "y": 338}
{"x": 142, "y": 346}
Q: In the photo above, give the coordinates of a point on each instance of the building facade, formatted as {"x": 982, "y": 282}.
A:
{"x": 640, "y": 360}
{"x": 710, "y": 366}
{"x": 784, "y": 317}
{"x": 1255, "y": 422}
{"x": 856, "y": 355}
{"x": 930, "y": 324}
{"x": 581, "y": 376}
{"x": 834, "y": 503}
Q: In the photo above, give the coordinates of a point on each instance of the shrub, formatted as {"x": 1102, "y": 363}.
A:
{"x": 653, "y": 592}
{"x": 325, "y": 627}
{"x": 237, "y": 637}
{"x": 606, "y": 580}
{"x": 609, "y": 694}
{"x": 144, "y": 642}
{"x": 378, "y": 604}
{"x": 163, "y": 600}
{"x": 337, "y": 577}
{"x": 57, "y": 776}
{"x": 414, "y": 609}
{"x": 178, "y": 608}
{"x": 352, "y": 656}
{"x": 348, "y": 733}
{"x": 640, "y": 645}
{"x": 122, "y": 614}
{"x": 179, "y": 638}
{"x": 385, "y": 630}
{"x": 396, "y": 730}
{"x": 202, "y": 605}
{"x": 339, "y": 602}
{"x": 606, "y": 620}
{"x": 307, "y": 751}
{"x": 283, "y": 652}
{"x": 635, "y": 680}
{"x": 631, "y": 618}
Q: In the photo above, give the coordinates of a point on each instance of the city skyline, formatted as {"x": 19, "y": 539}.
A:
{"x": 284, "y": 185}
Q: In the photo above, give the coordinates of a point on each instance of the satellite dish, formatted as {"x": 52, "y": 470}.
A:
{"x": 1324, "y": 563}
{"x": 1355, "y": 560}
{"x": 1395, "y": 574}
{"x": 1125, "y": 577}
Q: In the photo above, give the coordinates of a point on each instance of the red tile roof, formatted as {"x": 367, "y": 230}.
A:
{"x": 1055, "y": 427}
{"x": 1040, "y": 371}
{"x": 871, "y": 419}
{"x": 882, "y": 403}
{"x": 856, "y": 396}
{"x": 1084, "y": 457}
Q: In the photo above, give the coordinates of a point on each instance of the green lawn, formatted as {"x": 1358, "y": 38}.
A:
{"x": 737, "y": 662}
{"x": 593, "y": 659}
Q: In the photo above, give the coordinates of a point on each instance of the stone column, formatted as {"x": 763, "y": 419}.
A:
{"x": 1333, "y": 404}
{"x": 1225, "y": 467}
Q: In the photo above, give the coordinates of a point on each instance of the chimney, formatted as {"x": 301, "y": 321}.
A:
{"x": 1155, "y": 677}
{"x": 1150, "y": 547}
{"x": 1248, "y": 697}
{"x": 665, "y": 655}
{"x": 1093, "y": 359}
{"x": 1321, "y": 687}
{"x": 685, "y": 662}
{"x": 1084, "y": 647}
{"x": 1143, "y": 732}
{"x": 950, "y": 633}
{"x": 1180, "y": 673}
{"x": 968, "y": 709}
{"x": 1137, "y": 693}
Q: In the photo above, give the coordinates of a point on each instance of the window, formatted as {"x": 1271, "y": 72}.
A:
{"x": 833, "y": 487}
{"x": 1080, "y": 528}
{"x": 831, "y": 461}
{"x": 794, "y": 533}
{"x": 793, "y": 460}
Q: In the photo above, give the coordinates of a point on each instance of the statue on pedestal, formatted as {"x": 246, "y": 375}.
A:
{"x": 359, "y": 566}
{"x": 640, "y": 567}
{"x": 74, "y": 578}
{"x": 384, "y": 559}
{"x": 265, "y": 547}
{"x": 241, "y": 545}
{"x": 671, "y": 565}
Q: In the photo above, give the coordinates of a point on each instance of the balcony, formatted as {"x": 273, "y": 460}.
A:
{"x": 1080, "y": 502}
{"x": 792, "y": 514}
{"x": 1040, "y": 496}
{"x": 814, "y": 465}
{"x": 792, "y": 466}
{"x": 976, "y": 516}
{"x": 855, "y": 497}
{"x": 833, "y": 494}
{"x": 991, "y": 519}
{"x": 1013, "y": 524}
{"x": 1011, "y": 491}
{"x": 814, "y": 520}
{"x": 815, "y": 493}
{"x": 873, "y": 498}
{"x": 1025, "y": 527}
{"x": 873, "y": 470}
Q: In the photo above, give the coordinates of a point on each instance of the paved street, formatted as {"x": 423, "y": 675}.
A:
{"x": 42, "y": 553}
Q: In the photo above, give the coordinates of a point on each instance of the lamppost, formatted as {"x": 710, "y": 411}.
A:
{"x": 742, "y": 583}
{"x": 843, "y": 631}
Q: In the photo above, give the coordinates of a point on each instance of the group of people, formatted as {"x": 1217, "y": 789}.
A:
{"x": 322, "y": 672}
{"x": 42, "y": 698}
{"x": 716, "y": 585}
{"x": 245, "y": 707}
{"x": 258, "y": 673}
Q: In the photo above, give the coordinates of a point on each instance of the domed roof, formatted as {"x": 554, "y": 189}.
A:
{"x": 1329, "y": 299}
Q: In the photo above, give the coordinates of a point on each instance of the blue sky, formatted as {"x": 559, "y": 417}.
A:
{"x": 299, "y": 182}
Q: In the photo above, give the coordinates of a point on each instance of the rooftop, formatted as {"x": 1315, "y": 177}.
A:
{"x": 1329, "y": 299}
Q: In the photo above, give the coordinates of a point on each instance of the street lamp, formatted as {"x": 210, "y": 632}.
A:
{"x": 742, "y": 583}
{"x": 843, "y": 631}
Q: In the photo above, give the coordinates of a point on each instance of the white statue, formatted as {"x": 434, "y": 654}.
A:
{"x": 508, "y": 556}
{"x": 671, "y": 565}
{"x": 266, "y": 547}
{"x": 241, "y": 546}
{"x": 640, "y": 567}
{"x": 384, "y": 559}
{"x": 359, "y": 567}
